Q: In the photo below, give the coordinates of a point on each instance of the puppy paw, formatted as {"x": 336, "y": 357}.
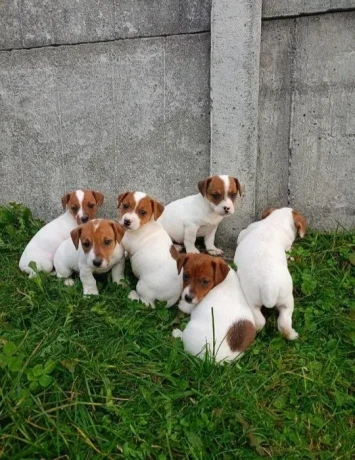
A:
{"x": 133, "y": 295}
{"x": 178, "y": 247}
{"x": 121, "y": 282}
{"x": 215, "y": 252}
{"x": 91, "y": 291}
{"x": 69, "y": 282}
{"x": 192, "y": 250}
{"x": 291, "y": 335}
{"x": 177, "y": 334}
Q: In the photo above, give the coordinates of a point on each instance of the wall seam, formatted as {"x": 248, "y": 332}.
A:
{"x": 292, "y": 107}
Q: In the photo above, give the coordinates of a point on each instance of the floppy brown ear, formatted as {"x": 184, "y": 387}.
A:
{"x": 267, "y": 212}
{"x": 158, "y": 209}
{"x": 75, "y": 236}
{"x": 203, "y": 185}
{"x": 118, "y": 230}
{"x": 181, "y": 261}
{"x": 220, "y": 269}
{"x": 240, "y": 187}
{"x": 300, "y": 223}
{"x": 65, "y": 200}
{"x": 120, "y": 198}
{"x": 99, "y": 197}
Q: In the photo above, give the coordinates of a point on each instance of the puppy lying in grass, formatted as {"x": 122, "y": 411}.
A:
{"x": 94, "y": 247}
{"x": 221, "y": 323}
{"x": 262, "y": 265}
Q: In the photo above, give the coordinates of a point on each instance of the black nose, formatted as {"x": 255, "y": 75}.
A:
{"x": 127, "y": 222}
{"x": 188, "y": 298}
{"x": 84, "y": 219}
{"x": 97, "y": 262}
{"x": 226, "y": 208}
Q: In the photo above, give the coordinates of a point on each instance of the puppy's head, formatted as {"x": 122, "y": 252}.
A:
{"x": 201, "y": 273}
{"x": 136, "y": 209}
{"x": 98, "y": 239}
{"x": 298, "y": 222}
{"x": 83, "y": 204}
{"x": 221, "y": 192}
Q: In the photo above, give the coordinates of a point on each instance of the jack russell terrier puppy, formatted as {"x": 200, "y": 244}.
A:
{"x": 80, "y": 206}
{"x": 221, "y": 323}
{"x": 262, "y": 265}
{"x": 92, "y": 248}
{"x": 200, "y": 215}
{"x": 149, "y": 248}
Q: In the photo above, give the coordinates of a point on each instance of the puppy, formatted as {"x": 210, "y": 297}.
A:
{"x": 221, "y": 322}
{"x": 262, "y": 265}
{"x": 199, "y": 215}
{"x": 92, "y": 248}
{"x": 80, "y": 206}
{"x": 149, "y": 248}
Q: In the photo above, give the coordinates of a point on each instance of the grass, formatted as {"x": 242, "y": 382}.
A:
{"x": 89, "y": 378}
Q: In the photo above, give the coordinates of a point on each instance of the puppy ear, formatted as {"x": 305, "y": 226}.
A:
{"x": 203, "y": 186}
{"x": 220, "y": 270}
{"x": 118, "y": 230}
{"x": 300, "y": 223}
{"x": 267, "y": 212}
{"x": 99, "y": 197}
{"x": 75, "y": 236}
{"x": 65, "y": 200}
{"x": 240, "y": 187}
{"x": 181, "y": 261}
{"x": 120, "y": 198}
{"x": 158, "y": 209}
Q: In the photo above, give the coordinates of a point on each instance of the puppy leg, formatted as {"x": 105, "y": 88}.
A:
{"x": 209, "y": 243}
{"x": 258, "y": 317}
{"x": 143, "y": 294}
{"x": 284, "y": 322}
{"x": 190, "y": 235}
{"x": 118, "y": 272}
{"x": 64, "y": 272}
{"x": 89, "y": 282}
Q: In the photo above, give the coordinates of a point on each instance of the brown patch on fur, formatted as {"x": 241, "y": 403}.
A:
{"x": 240, "y": 335}
{"x": 202, "y": 272}
{"x": 235, "y": 187}
{"x": 300, "y": 223}
{"x": 267, "y": 212}
{"x": 100, "y": 235}
{"x": 174, "y": 253}
{"x": 146, "y": 208}
{"x": 91, "y": 201}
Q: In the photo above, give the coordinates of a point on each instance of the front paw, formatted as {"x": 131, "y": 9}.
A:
{"x": 133, "y": 296}
{"x": 192, "y": 250}
{"x": 69, "y": 282}
{"x": 91, "y": 291}
{"x": 215, "y": 252}
{"x": 186, "y": 307}
{"x": 121, "y": 282}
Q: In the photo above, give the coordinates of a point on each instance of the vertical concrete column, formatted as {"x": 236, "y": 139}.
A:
{"x": 235, "y": 51}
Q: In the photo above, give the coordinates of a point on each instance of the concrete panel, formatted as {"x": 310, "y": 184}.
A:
{"x": 285, "y": 8}
{"x": 33, "y": 23}
{"x": 235, "y": 42}
{"x": 323, "y": 123}
{"x": 274, "y": 114}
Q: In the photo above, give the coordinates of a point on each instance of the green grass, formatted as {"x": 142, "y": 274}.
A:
{"x": 90, "y": 378}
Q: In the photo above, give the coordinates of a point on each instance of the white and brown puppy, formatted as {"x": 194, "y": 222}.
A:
{"x": 199, "y": 215}
{"x": 262, "y": 265}
{"x": 80, "y": 206}
{"x": 221, "y": 323}
{"x": 94, "y": 247}
{"x": 149, "y": 248}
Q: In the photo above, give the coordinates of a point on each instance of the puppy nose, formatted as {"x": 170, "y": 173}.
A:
{"x": 84, "y": 219}
{"x": 127, "y": 222}
{"x": 97, "y": 262}
{"x": 226, "y": 208}
{"x": 188, "y": 298}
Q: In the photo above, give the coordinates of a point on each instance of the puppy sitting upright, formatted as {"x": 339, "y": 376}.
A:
{"x": 199, "y": 215}
{"x": 81, "y": 206}
{"x": 262, "y": 265}
{"x": 221, "y": 321}
{"x": 92, "y": 248}
{"x": 149, "y": 248}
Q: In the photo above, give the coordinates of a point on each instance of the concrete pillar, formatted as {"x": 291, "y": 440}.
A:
{"x": 235, "y": 51}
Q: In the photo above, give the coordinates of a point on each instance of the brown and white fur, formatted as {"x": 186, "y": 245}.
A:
{"x": 199, "y": 215}
{"x": 80, "y": 206}
{"x": 94, "y": 247}
{"x": 262, "y": 265}
{"x": 221, "y": 323}
{"x": 148, "y": 246}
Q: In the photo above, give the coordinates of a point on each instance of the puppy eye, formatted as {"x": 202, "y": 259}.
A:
{"x": 204, "y": 282}
{"x": 75, "y": 208}
{"x": 232, "y": 195}
{"x": 107, "y": 242}
{"x": 142, "y": 212}
{"x": 91, "y": 205}
{"x": 86, "y": 244}
{"x": 216, "y": 195}
{"x": 125, "y": 206}
{"x": 185, "y": 277}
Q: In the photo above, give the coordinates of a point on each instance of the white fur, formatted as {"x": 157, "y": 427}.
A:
{"x": 206, "y": 332}
{"x": 262, "y": 267}
{"x": 195, "y": 216}
{"x": 68, "y": 259}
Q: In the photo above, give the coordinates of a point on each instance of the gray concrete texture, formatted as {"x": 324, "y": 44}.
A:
{"x": 131, "y": 114}
{"x": 307, "y": 118}
{"x": 285, "y": 8}
{"x": 34, "y": 23}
